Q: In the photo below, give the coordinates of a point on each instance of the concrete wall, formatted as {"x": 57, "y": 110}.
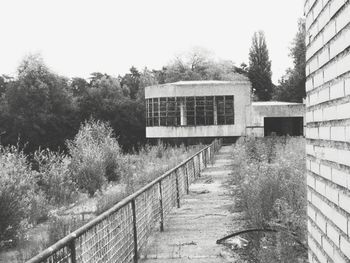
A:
{"x": 260, "y": 110}
{"x": 240, "y": 89}
{"x": 196, "y": 131}
{"x": 328, "y": 129}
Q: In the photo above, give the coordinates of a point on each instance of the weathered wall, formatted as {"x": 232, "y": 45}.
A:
{"x": 328, "y": 129}
{"x": 196, "y": 131}
{"x": 260, "y": 110}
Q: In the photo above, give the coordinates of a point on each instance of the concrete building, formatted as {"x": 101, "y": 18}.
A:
{"x": 216, "y": 109}
{"x": 328, "y": 129}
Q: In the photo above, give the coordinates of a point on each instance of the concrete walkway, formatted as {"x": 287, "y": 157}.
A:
{"x": 206, "y": 214}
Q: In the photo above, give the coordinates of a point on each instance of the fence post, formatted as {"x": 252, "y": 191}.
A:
{"x": 187, "y": 180}
{"x": 73, "y": 256}
{"x": 133, "y": 207}
{"x": 161, "y": 207}
{"x": 177, "y": 189}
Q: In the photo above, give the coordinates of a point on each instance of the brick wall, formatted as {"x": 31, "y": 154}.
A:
{"x": 328, "y": 129}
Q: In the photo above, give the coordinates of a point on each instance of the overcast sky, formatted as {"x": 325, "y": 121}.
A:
{"x": 77, "y": 37}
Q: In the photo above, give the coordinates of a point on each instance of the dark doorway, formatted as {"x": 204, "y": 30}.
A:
{"x": 292, "y": 126}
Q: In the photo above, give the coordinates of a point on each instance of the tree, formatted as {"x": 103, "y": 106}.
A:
{"x": 2, "y": 85}
{"x": 79, "y": 86}
{"x": 260, "y": 67}
{"x": 147, "y": 78}
{"x": 197, "y": 64}
{"x": 292, "y": 84}
{"x": 38, "y": 107}
{"x": 132, "y": 82}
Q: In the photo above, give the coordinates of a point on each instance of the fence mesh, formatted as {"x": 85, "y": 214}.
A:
{"x": 119, "y": 234}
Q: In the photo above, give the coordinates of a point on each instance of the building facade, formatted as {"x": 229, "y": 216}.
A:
{"x": 328, "y": 129}
{"x": 216, "y": 109}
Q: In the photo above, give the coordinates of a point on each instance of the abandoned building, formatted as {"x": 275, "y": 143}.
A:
{"x": 216, "y": 109}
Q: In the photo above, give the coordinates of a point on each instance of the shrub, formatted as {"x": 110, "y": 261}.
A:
{"x": 109, "y": 199}
{"x": 271, "y": 172}
{"x": 54, "y": 177}
{"x": 61, "y": 227}
{"x": 21, "y": 202}
{"x": 95, "y": 156}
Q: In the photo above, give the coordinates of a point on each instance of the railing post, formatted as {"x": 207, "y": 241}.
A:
{"x": 199, "y": 163}
{"x": 187, "y": 180}
{"x": 177, "y": 189}
{"x": 73, "y": 256}
{"x": 194, "y": 168}
{"x": 161, "y": 207}
{"x": 133, "y": 207}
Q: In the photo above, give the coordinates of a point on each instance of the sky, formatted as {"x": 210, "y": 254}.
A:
{"x": 78, "y": 37}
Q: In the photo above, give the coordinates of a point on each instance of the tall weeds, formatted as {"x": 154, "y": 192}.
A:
{"x": 271, "y": 175}
{"x": 21, "y": 201}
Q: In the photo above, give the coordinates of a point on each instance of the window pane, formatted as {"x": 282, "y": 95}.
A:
{"x": 220, "y": 105}
{"x": 209, "y": 110}
{"x": 190, "y": 110}
{"x": 230, "y": 120}
{"x": 156, "y": 111}
{"x": 221, "y": 120}
{"x": 200, "y": 114}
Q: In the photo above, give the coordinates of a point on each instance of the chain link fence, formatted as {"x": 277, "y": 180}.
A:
{"x": 120, "y": 233}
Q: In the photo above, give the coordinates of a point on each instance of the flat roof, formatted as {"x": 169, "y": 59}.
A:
{"x": 274, "y": 103}
{"x": 237, "y": 78}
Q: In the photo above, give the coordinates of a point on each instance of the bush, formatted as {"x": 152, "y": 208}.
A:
{"x": 21, "y": 202}
{"x": 61, "y": 227}
{"x": 54, "y": 177}
{"x": 95, "y": 156}
{"x": 109, "y": 199}
{"x": 271, "y": 172}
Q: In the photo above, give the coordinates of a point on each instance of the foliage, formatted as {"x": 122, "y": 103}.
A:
{"x": 95, "y": 153}
{"x": 41, "y": 109}
{"x": 197, "y": 64}
{"x": 21, "y": 202}
{"x": 38, "y": 109}
{"x": 271, "y": 173}
{"x": 292, "y": 85}
{"x": 153, "y": 161}
{"x": 260, "y": 67}
{"x": 60, "y": 227}
{"x": 108, "y": 199}
{"x": 54, "y": 177}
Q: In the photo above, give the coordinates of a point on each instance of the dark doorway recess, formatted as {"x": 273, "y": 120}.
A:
{"x": 292, "y": 126}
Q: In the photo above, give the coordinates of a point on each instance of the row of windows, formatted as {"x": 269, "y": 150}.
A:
{"x": 190, "y": 111}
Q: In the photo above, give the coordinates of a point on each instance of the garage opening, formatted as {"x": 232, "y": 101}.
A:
{"x": 280, "y": 126}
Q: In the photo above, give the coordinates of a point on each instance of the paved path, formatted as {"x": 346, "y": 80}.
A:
{"x": 206, "y": 214}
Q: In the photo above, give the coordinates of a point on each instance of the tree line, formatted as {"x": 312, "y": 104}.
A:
{"x": 41, "y": 109}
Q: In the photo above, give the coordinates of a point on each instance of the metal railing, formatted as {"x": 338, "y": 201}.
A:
{"x": 121, "y": 232}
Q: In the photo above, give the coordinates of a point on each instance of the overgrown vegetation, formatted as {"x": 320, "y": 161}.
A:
{"x": 93, "y": 173}
{"x": 270, "y": 173}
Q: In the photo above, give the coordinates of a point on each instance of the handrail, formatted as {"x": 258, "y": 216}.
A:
{"x": 65, "y": 249}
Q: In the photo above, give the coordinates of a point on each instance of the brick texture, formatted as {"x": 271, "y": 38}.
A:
{"x": 328, "y": 129}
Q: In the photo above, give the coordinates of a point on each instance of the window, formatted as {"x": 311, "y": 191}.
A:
{"x": 209, "y": 110}
{"x": 155, "y": 115}
{"x": 171, "y": 112}
{"x": 190, "y": 111}
{"x": 225, "y": 110}
{"x": 162, "y": 111}
{"x": 200, "y": 110}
